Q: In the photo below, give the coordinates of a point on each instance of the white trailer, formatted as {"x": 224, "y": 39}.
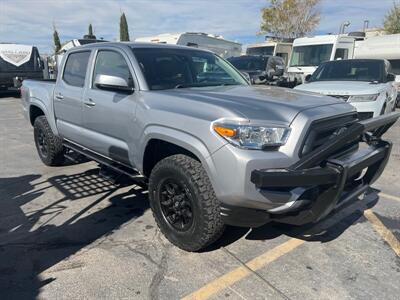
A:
{"x": 214, "y": 43}
{"x": 309, "y": 52}
{"x": 282, "y": 49}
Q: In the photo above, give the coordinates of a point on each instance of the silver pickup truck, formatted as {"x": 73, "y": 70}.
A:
{"x": 212, "y": 149}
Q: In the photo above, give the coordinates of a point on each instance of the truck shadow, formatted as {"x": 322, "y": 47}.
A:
{"x": 9, "y": 93}
{"x": 323, "y": 231}
{"x": 29, "y": 244}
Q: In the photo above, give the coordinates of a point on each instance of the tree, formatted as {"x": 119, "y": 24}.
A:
{"x": 391, "y": 23}
{"x": 90, "y": 34}
{"x": 290, "y": 18}
{"x": 123, "y": 29}
{"x": 90, "y": 31}
{"x": 56, "y": 39}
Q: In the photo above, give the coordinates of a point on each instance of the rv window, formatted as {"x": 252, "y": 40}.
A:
{"x": 284, "y": 56}
{"x": 75, "y": 68}
{"x": 395, "y": 63}
{"x": 341, "y": 53}
{"x": 310, "y": 56}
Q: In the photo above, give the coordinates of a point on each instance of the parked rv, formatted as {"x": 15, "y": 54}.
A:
{"x": 383, "y": 47}
{"x": 261, "y": 69}
{"x": 214, "y": 43}
{"x": 18, "y": 62}
{"x": 282, "y": 49}
{"x": 367, "y": 84}
{"x": 71, "y": 44}
{"x": 309, "y": 52}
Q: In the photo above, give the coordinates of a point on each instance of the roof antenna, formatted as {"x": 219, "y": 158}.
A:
{"x": 366, "y": 24}
{"x": 343, "y": 26}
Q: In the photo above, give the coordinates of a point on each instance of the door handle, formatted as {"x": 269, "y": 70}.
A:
{"x": 59, "y": 96}
{"x": 90, "y": 102}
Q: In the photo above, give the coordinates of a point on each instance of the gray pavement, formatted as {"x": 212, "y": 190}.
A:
{"x": 66, "y": 233}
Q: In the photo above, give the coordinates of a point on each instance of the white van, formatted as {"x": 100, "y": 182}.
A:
{"x": 309, "y": 52}
{"x": 214, "y": 43}
{"x": 282, "y": 49}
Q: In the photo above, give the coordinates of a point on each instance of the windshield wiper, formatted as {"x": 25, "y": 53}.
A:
{"x": 189, "y": 85}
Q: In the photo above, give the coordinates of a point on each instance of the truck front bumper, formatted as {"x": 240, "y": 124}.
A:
{"x": 322, "y": 180}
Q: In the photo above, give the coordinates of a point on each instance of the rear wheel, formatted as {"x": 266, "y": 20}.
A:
{"x": 184, "y": 204}
{"x": 49, "y": 146}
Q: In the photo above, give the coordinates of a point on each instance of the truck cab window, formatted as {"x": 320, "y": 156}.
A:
{"x": 75, "y": 68}
{"x": 111, "y": 63}
{"x": 341, "y": 53}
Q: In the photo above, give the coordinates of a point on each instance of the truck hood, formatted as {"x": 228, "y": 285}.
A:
{"x": 255, "y": 103}
{"x": 341, "y": 87}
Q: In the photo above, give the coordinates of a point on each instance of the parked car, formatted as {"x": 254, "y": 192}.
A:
{"x": 18, "y": 62}
{"x": 214, "y": 149}
{"x": 367, "y": 84}
{"x": 261, "y": 69}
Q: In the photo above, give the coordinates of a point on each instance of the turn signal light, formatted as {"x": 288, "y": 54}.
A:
{"x": 224, "y": 131}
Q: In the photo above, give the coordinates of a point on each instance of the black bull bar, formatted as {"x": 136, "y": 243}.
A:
{"x": 329, "y": 175}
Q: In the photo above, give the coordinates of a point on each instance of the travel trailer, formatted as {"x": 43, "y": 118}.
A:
{"x": 309, "y": 52}
{"x": 282, "y": 49}
{"x": 214, "y": 43}
{"x": 18, "y": 62}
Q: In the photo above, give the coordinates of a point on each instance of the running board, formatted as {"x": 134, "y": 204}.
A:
{"x": 115, "y": 166}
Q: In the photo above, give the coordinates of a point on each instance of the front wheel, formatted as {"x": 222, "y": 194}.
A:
{"x": 184, "y": 204}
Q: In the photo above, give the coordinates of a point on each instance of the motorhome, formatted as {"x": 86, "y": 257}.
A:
{"x": 18, "y": 62}
{"x": 309, "y": 52}
{"x": 214, "y": 43}
{"x": 282, "y": 49}
{"x": 382, "y": 47}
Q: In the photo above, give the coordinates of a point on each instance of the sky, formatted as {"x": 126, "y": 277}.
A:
{"x": 31, "y": 21}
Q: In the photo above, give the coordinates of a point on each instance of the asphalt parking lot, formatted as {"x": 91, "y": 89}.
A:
{"x": 66, "y": 233}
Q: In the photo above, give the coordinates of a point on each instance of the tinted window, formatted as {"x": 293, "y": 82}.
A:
{"x": 112, "y": 63}
{"x": 248, "y": 63}
{"x": 313, "y": 55}
{"x": 264, "y": 50}
{"x": 75, "y": 68}
{"x": 167, "y": 68}
{"x": 341, "y": 53}
{"x": 350, "y": 70}
{"x": 395, "y": 63}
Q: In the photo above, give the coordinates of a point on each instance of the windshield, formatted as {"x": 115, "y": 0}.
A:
{"x": 248, "y": 63}
{"x": 313, "y": 55}
{"x": 168, "y": 68}
{"x": 263, "y": 50}
{"x": 350, "y": 70}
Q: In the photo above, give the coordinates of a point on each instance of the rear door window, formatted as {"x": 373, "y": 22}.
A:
{"x": 75, "y": 68}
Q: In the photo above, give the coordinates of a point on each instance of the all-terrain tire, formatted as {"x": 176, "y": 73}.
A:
{"x": 49, "y": 146}
{"x": 206, "y": 224}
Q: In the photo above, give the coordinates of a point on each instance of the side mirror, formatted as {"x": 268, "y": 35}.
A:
{"x": 307, "y": 78}
{"x": 390, "y": 77}
{"x": 112, "y": 83}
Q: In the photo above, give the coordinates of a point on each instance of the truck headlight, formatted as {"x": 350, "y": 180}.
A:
{"x": 252, "y": 137}
{"x": 363, "y": 98}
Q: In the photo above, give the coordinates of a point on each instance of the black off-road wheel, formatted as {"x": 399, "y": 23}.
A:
{"x": 49, "y": 146}
{"x": 184, "y": 204}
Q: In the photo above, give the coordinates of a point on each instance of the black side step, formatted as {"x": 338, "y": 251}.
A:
{"x": 115, "y": 166}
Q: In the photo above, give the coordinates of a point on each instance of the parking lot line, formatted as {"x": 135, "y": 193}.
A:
{"x": 243, "y": 271}
{"x": 389, "y": 196}
{"x": 385, "y": 233}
